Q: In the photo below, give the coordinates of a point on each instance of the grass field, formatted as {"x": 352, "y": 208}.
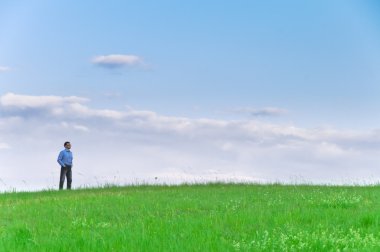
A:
{"x": 210, "y": 217}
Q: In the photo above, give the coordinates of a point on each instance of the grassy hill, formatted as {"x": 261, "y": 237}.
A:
{"x": 211, "y": 217}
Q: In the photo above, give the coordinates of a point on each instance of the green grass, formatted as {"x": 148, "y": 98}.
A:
{"x": 210, "y": 217}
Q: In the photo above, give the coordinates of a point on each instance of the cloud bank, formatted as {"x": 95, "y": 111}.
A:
{"x": 117, "y": 61}
{"x": 126, "y": 146}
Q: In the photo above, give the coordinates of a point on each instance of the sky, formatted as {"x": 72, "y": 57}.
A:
{"x": 189, "y": 91}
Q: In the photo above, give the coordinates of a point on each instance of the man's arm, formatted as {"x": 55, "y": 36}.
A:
{"x": 60, "y": 156}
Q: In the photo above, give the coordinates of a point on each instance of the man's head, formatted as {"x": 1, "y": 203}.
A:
{"x": 67, "y": 145}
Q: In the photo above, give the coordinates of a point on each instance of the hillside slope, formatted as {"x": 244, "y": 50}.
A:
{"x": 211, "y": 217}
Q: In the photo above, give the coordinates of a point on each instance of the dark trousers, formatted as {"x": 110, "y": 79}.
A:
{"x": 65, "y": 172}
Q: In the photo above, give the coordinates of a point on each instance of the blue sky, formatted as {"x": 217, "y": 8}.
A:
{"x": 314, "y": 63}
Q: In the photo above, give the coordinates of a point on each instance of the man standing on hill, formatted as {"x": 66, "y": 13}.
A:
{"x": 65, "y": 159}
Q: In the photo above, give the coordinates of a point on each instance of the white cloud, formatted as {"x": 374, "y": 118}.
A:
{"x": 4, "y": 69}
{"x": 11, "y": 100}
{"x": 81, "y": 110}
{"x": 117, "y": 60}
{"x": 134, "y": 144}
{"x": 74, "y": 126}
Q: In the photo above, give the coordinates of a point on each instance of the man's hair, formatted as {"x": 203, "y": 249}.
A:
{"x": 66, "y": 143}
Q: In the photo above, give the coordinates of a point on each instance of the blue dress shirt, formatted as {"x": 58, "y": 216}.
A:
{"x": 65, "y": 158}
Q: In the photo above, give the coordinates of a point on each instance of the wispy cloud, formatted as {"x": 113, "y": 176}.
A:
{"x": 113, "y": 95}
{"x": 268, "y": 111}
{"x": 4, "y": 69}
{"x": 117, "y": 61}
{"x": 4, "y": 146}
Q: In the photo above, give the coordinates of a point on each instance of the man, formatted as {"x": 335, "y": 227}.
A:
{"x": 65, "y": 159}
